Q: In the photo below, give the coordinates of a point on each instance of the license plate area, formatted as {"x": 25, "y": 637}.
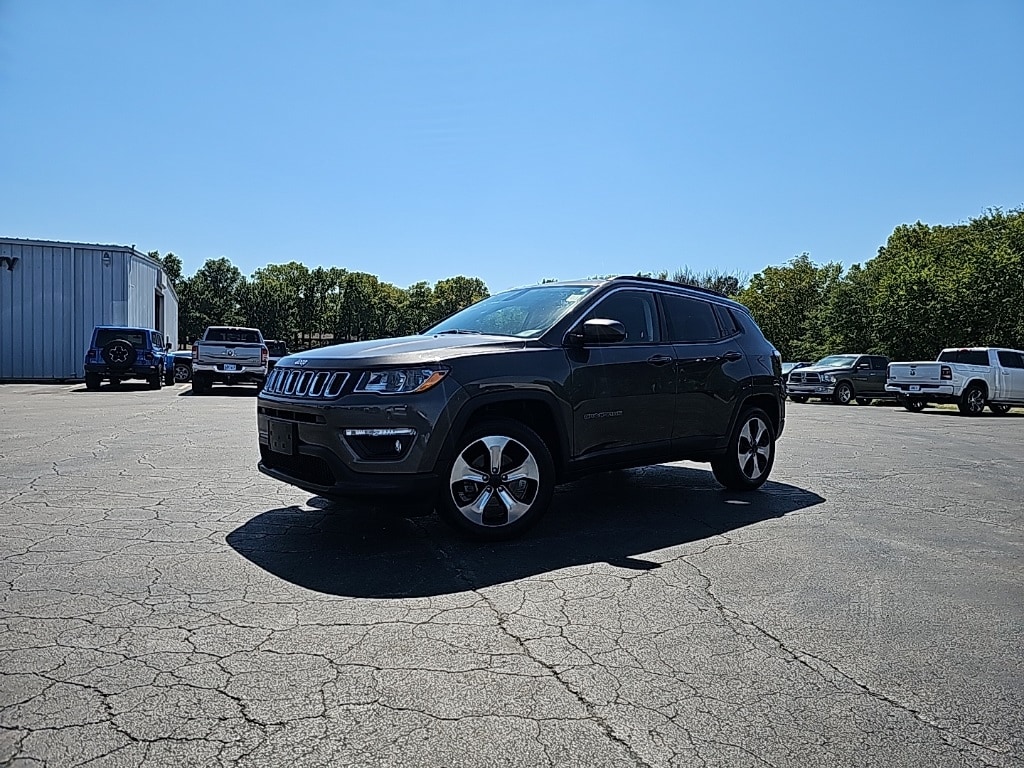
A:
{"x": 230, "y": 367}
{"x": 914, "y": 388}
{"x": 281, "y": 436}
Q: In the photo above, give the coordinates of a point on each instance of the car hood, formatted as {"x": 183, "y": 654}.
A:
{"x": 819, "y": 370}
{"x": 404, "y": 350}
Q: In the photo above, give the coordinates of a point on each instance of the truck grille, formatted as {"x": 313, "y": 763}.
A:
{"x": 302, "y": 383}
{"x": 804, "y": 378}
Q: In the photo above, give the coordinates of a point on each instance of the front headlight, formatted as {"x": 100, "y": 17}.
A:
{"x": 828, "y": 378}
{"x": 398, "y": 381}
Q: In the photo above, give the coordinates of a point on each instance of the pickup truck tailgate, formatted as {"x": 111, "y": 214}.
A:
{"x": 226, "y": 352}
{"x": 920, "y": 373}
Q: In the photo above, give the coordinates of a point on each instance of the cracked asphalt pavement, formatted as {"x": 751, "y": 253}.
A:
{"x": 162, "y": 603}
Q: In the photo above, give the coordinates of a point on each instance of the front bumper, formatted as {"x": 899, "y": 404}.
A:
{"x": 311, "y": 445}
{"x": 810, "y": 390}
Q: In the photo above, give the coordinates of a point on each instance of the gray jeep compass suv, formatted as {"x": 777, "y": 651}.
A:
{"x": 487, "y": 411}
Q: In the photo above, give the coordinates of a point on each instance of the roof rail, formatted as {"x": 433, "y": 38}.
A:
{"x": 657, "y": 281}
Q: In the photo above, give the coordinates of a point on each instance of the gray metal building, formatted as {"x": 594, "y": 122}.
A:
{"x": 52, "y": 294}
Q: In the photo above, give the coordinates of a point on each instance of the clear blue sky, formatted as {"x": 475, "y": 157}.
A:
{"x": 511, "y": 141}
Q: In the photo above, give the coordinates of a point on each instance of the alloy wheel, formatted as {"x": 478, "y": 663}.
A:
{"x": 754, "y": 448}
{"x": 494, "y": 481}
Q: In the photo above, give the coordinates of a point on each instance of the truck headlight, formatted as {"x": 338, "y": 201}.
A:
{"x": 397, "y": 381}
{"x": 828, "y": 378}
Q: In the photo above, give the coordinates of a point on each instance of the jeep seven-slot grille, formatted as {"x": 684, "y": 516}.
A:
{"x": 305, "y": 383}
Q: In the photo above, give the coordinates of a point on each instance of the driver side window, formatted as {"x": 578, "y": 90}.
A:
{"x": 635, "y": 310}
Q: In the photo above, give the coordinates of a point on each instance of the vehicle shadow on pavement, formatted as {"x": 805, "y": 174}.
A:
{"x": 368, "y": 551}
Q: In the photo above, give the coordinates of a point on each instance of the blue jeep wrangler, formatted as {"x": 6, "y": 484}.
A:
{"x": 117, "y": 353}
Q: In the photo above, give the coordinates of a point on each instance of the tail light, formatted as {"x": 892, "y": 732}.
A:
{"x": 946, "y": 374}
{"x": 263, "y": 356}
{"x": 195, "y": 351}
{"x": 149, "y": 357}
{"x": 888, "y": 371}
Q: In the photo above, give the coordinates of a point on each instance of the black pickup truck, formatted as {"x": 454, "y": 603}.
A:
{"x": 841, "y": 379}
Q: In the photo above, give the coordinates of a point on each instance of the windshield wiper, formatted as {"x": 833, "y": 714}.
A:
{"x": 461, "y": 330}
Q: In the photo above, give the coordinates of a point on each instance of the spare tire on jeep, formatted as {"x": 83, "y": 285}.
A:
{"x": 118, "y": 354}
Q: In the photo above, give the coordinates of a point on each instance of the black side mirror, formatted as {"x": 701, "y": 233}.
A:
{"x": 598, "y": 331}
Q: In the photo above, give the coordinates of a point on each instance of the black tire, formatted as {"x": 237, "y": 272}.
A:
{"x": 169, "y": 378}
{"x": 750, "y": 456}
{"x": 864, "y": 401}
{"x": 999, "y": 408}
{"x": 118, "y": 354}
{"x": 93, "y": 381}
{"x": 843, "y": 394}
{"x": 972, "y": 400}
{"x": 200, "y": 384}
{"x": 182, "y": 373}
{"x": 798, "y": 398}
{"x": 914, "y": 406}
{"x": 156, "y": 381}
{"x": 115, "y": 382}
{"x": 474, "y": 499}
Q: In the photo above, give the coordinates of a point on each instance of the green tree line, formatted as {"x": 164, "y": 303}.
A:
{"x": 927, "y": 288}
{"x": 309, "y": 307}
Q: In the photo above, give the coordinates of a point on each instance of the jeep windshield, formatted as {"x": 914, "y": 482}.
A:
{"x": 525, "y": 312}
{"x": 836, "y": 361}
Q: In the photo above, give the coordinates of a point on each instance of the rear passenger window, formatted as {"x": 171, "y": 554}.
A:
{"x": 1011, "y": 360}
{"x": 690, "y": 320}
{"x": 727, "y": 320}
{"x": 965, "y": 356}
{"x": 879, "y": 363}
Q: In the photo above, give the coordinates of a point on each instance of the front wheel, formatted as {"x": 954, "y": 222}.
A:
{"x": 500, "y": 481}
{"x": 798, "y": 398}
{"x": 914, "y": 406}
{"x": 999, "y": 408}
{"x": 843, "y": 394}
{"x": 182, "y": 373}
{"x": 751, "y": 453}
{"x": 972, "y": 401}
{"x": 863, "y": 401}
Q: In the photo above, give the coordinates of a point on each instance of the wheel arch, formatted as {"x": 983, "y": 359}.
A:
{"x": 766, "y": 402}
{"x": 976, "y": 381}
{"x": 537, "y": 410}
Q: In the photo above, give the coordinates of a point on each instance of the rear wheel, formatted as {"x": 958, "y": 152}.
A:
{"x": 863, "y": 401}
{"x": 999, "y": 409}
{"x": 914, "y": 406}
{"x": 751, "y": 453}
{"x": 93, "y": 381}
{"x": 156, "y": 381}
{"x": 972, "y": 401}
{"x": 843, "y": 394}
{"x": 798, "y": 398}
{"x": 500, "y": 481}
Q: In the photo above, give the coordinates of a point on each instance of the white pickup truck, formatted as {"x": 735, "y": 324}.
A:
{"x": 229, "y": 355}
{"x": 969, "y": 377}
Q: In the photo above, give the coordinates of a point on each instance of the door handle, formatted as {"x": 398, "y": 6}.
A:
{"x": 660, "y": 359}
{"x": 731, "y": 356}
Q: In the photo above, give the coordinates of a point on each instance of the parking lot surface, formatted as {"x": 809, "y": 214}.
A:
{"x": 162, "y": 603}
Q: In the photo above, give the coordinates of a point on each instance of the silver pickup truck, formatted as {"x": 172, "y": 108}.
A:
{"x": 229, "y": 355}
{"x": 971, "y": 378}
